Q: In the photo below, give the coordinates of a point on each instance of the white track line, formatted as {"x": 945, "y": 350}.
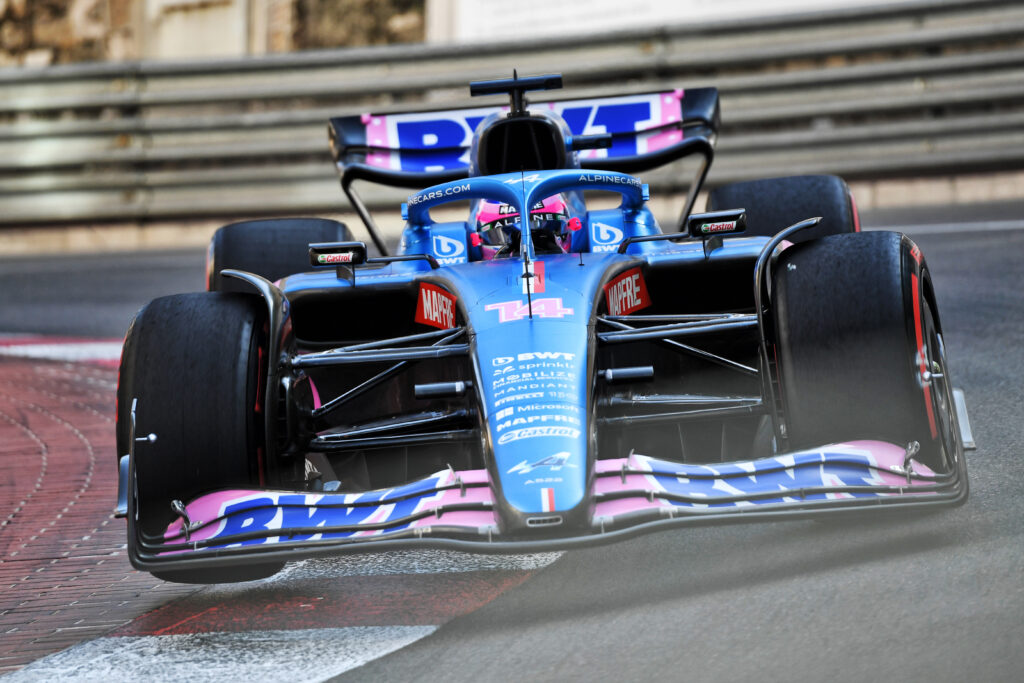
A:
{"x": 294, "y": 655}
{"x": 956, "y": 228}
{"x": 74, "y": 352}
{"x": 273, "y": 655}
{"x": 411, "y": 562}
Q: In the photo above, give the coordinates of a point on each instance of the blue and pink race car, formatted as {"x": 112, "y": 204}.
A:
{"x": 539, "y": 364}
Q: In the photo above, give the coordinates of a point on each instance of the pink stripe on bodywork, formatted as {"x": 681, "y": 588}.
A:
{"x": 213, "y": 506}
{"x": 671, "y": 112}
{"x": 887, "y": 460}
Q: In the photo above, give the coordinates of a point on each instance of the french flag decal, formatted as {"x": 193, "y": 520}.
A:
{"x": 535, "y": 284}
{"x": 547, "y": 500}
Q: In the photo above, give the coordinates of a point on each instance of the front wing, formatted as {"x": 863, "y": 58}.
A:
{"x": 454, "y": 509}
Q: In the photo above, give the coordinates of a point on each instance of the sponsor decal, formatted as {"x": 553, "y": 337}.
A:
{"x": 548, "y": 406}
{"x": 327, "y": 259}
{"x": 627, "y": 293}
{"x": 533, "y": 355}
{"x": 448, "y": 251}
{"x": 510, "y": 311}
{"x": 445, "y": 191}
{"x": 271, "y": 510}
{"x": 605, "y": 237}
{"x": 612, "y": 179}
{"x": 536, "y": 386}
{"x": 544, "y": 364}
{"x": 519, "y": 397}
{"x": 520, "y": 421}
{"x": 440, "y": 139}
{"x": 802, "y": 471}
{"x": 435, "y": 307}
{"x": 721, "y": 226}
{"x": 534, "y": 432}
{"x": 553, "y": 462}
{"x": 520, "y": 377}
{"x": 533, "y": 277}
{"x": 503, "y": 413}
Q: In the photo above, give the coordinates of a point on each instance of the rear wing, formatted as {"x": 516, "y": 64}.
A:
{"x": 420, "y": 149}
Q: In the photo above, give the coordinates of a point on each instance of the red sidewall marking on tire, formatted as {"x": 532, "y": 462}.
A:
{"x": 918, "y": 330}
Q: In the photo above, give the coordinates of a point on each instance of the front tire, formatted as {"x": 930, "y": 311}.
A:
{"x": 194, "y": 363}
{"x": 859, "y": 346}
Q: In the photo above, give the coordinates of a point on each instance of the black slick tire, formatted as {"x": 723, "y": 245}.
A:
{"x": 193, "y": 362}
{"x": 859, "y": 346}
{"x": 271, "y": 248}
{"x": 773, "y": 204}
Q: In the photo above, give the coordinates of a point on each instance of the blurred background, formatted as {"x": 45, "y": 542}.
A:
{"x": 128, "y": 124}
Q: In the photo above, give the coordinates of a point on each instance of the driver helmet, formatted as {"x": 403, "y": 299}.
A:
{"x": 499, "y": 232}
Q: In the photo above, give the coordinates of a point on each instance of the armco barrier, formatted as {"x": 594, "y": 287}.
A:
{"x": 905, "y": 89}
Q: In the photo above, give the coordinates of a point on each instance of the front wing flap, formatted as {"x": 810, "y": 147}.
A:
{"x": 455, "y": 509}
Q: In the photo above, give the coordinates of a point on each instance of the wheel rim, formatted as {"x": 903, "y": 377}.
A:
{"x": 937, "y": 390}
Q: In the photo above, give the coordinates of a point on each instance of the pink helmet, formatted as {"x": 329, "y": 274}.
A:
{"x": 497, "y": 225}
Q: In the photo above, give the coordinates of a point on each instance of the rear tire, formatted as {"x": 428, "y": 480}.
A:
{"x": 194, "y": 362}
{"x": 773, "y": 204}
{"x": 849, "y": 311}
{"x": 271, "y": 248}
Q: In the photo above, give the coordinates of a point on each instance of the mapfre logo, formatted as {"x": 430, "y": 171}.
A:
{"x": 627, "y": 293}
{"x": 435, "y": 307}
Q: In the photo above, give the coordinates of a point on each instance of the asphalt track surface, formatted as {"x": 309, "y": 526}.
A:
{"x": 937, "y": 598}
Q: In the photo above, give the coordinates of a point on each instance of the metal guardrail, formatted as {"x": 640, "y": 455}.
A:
{"x": 921, "y": 87}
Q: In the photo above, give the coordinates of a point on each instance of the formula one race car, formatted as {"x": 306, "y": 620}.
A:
{"x": 551, "y": 370}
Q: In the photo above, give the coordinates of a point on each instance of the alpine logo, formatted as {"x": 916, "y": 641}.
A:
{"x": 510, "y": 311}
{"x": 552, "y": 462}
{"x": 435, "y": 307}
{"x": 532, "y": 178}
{"x": 448, "y": 250}
{"x": 627, "y": 293}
